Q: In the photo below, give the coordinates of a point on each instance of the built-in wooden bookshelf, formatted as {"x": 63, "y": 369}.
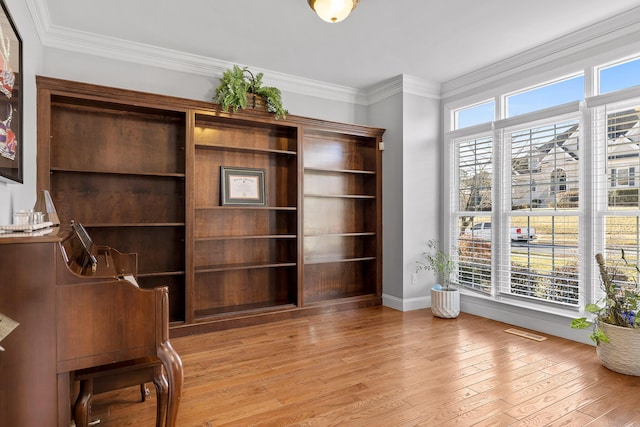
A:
{"x": 245, "y": 257}
{"x": 119, "y": 169}
{"x": 341, "y": 223}
{"x": 142, "y": 173}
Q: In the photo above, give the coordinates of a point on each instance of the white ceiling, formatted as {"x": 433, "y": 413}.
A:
{"x": 433, "y": 40}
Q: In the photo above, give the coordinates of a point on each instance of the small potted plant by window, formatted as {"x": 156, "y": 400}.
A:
{"x": 615, "y": 323}
{"x": 445, "y": 299}
{"x": 239, "y": 88}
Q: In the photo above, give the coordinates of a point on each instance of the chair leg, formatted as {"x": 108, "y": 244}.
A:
{"x": 144, "y": 392}
{"x": 162, "y": 395}
{"x": 82, "y": 405}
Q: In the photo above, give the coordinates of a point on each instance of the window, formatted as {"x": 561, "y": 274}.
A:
{"x": 474, "y": 115}
{"x": 553, "y": 149}
{"x": 545, "y": 267}
{"x": 474, "y": 175}
{"x": 549, "y": 95}
{"x": 538, "y": 193}
{"x": 475, "y": 168}
{"x": 619, "y": 76}
{"x": 558, "y": 181}
{"x": 547, "y": 270}
{"x": 623, "y": 177}
{"x": 618, "y": 220}
{"x": 622, "y": 156}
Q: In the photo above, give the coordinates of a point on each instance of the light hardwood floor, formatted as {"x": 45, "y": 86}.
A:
{"x": 381, "y": 367}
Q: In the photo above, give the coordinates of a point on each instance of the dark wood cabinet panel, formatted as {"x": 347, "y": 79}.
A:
{"x": 241, "y": 252}
{"x": 335, "y": 215}
{"x": 112, "y": 137}
{"x": 223, "y": 222}
{"x": 244, "y": 135}
{"x": 328, "y": 248}
{"x": 177, "y": 298}
{"x": 280, "y": 174}
{"x": 340, "y": 151}
{"x": 142, "y": 172}
{"x": 335, "y": 280}
{"x": 27, "y": 368}
{"x": 105, "y": 198}
{"x": 170, "y": 260}
{"x": 332, "y": 183}
{"x": 242, "y": 290}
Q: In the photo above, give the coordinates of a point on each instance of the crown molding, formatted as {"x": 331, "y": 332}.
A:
{"x": 41, "y": 18}
{"x": 608, "y": 30}
{"x": 127, "y": 51}
{"x": 63, "y": 38}
{"x": 58, "y": 37}
{"x": 403, "y": 83}
{"x": 419, "y": 87}
{"x": 384, "y": 89}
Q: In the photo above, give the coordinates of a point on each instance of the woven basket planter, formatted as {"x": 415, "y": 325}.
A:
{"x": 255, "y": 102}
{"x": 622, "y": 352}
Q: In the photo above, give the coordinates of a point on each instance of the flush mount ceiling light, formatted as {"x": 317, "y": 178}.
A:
{"x": 333, "y": 10}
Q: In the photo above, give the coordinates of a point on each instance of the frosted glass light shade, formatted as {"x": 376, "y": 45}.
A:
{"x": 333, "y": 10}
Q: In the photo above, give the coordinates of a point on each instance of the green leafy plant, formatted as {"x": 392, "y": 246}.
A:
{"x": 237, "y": 82}
{"x": 438, "y": 262}
{"x": 618, "y": 306}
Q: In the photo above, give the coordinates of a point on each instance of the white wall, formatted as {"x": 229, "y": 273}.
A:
{"x": 422, "y": 192}
{"x": 98, "y": 70}
{"x": 411, "y": 191}
{"x": 387, "y": 114}
{"x": 23, "y": 196}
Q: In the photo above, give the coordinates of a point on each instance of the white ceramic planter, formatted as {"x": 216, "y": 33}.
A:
{"x": 444, "y": 303}
{"x": 620, "y": 354}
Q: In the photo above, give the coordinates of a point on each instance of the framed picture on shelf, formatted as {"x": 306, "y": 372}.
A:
{"x": 11, "y": 141}
{"x": 242, "y": 186}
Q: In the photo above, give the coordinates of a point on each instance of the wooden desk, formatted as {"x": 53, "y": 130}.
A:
{"x": 70, "y": 322}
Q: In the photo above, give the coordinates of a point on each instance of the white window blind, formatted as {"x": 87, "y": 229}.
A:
{"x": 568, "y": 171}
{"x": 473, "y": 204}
{"x": 544, "y": 189}
{"x": 617, "y": 221}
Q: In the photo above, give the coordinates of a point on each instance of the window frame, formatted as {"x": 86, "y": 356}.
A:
{"x": 507, "y": 96}
{"x": 577, "y": 109}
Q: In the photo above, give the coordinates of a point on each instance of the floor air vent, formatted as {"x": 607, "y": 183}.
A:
{"x": 525, "y": 334}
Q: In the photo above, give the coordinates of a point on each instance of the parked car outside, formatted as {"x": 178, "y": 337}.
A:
{"x": 482, "y": 230}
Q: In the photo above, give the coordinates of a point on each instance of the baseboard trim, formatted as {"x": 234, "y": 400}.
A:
{"x": 405, "y": 304}
{"x": 535, "y": 320}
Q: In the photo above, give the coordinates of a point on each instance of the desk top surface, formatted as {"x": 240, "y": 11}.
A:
{"x": 52, "y": 234}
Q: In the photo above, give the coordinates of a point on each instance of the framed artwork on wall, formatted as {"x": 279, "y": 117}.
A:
{"x": 11, "y": 142}
{"x": 242, "y": 186}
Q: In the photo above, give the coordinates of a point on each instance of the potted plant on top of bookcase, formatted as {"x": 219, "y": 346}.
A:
{"x": 239, "y": 88}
